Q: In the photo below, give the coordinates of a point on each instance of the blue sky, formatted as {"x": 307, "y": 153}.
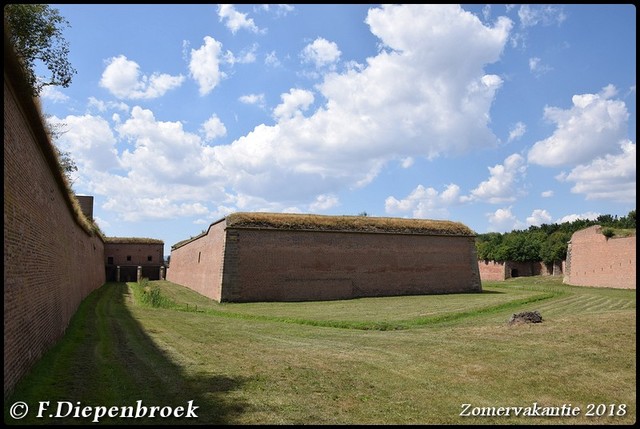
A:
{"x": 496, "y": 116}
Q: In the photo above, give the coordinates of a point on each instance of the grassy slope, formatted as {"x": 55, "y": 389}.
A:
{"x": 263, "y": 363}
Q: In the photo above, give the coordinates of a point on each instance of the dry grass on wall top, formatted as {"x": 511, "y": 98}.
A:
{"x": 132, "y": 240}
{"x": 347, "y": 223}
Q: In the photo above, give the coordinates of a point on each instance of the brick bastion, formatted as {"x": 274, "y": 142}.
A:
{"x": 248, "y": 257}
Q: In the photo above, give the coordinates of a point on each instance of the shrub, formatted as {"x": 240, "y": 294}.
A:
{"x": 608, "y": 232}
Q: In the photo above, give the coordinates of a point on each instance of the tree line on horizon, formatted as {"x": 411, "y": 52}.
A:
{"x": 547, "y": 242}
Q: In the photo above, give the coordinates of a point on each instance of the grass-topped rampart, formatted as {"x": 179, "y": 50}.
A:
{"x": 315, "y": 222}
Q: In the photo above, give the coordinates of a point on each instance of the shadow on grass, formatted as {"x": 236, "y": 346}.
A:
{"x": 106, "y": 359}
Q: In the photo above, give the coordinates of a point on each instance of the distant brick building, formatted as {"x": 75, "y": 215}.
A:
{"x": 502, "y": 270}
{"x": 123, "y": 256}
{"x": 252, "y": 257}
{"x": 595, "y": 260}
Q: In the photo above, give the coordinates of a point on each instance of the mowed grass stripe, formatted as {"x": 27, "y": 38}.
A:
{"x": 260, "y": 371}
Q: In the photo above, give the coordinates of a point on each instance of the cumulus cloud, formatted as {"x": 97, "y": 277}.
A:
{"x": 592, "y": 127}
{"x": 53, "y": 94}
{"x": 293, "y": 103}
{"x": 204, "y": 66}
{"x": 612, "y": 177}
{"x": 323, "y": 202}
{"x": 122, "y": 77}
{"x": 547, "y": 194}
{"x": 424, "y": 202}
{"x": 539, "y": 217}
{"x": 235, "y": 20}
{"x": 213, "y": 128}
{"x": 501, "y": 186}
{"x": 90, "y": 141}
{"x": 354, "y": 123}
{"x": 257, "y": 99}
{"x": 321, "y": 52}
{"x": 574, "y": 217}
{"x": 503, "y": 220}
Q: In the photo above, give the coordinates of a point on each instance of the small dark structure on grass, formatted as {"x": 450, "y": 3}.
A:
{"x": 526, "y": 317}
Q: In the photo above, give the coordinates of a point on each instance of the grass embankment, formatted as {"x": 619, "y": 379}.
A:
{"x": 395, "y": 360}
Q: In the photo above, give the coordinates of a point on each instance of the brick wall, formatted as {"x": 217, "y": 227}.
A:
{"x": 51, "y": 262}
{"x": 198, "y": 264}
{"x": 128, "y": 256}
{"x": 497, "y": 271}
{"x": 288, "y": 265}
{"x": 492, "y": 270}
{"x": 595, "y": 260}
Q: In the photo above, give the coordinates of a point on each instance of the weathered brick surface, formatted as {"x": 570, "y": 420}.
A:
{"x": 288, "y": 265}
{"x": 497, "y": 271}
{"x": 50, "y": 263}
{"x": 129, "y": 256}
{"x": 198, "y": 265}
{"x": 595, "y": 260}
{"x": 492, "y": 270}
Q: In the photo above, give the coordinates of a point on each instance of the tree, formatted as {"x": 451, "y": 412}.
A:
{"x": 67, "y": 164}
{"x": 35, "y": 31}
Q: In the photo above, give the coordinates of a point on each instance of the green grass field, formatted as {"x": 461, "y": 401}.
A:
{"x": 393, "y": 360}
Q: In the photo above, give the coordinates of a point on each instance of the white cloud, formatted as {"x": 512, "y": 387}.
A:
{"x": 539, "y": 217}
{"x": 517, "y": 131}
{"x": 90, "y": 142}
{"x": 280, "y": 9}
{"x": 531, "y": 15}
{"x": 103, "y": 106}
{"x": 204, "y": 66}
{"x": 321, "y": 52}
{"x": 407, "y": 162}
{"x": 501, "y": 186}
{"x": 537, "y": 67}
{"x": 612, "y": 177}
{"x": 123, "y": 79}
{"x": 366, "y": 117}
{"x": 547, "y": 194}
{"x": 574, "y": 217}
{"x": 593, "y": 127}
{"x": 502, "y": 220}
{"x": 324, "y": 202}
{"x": 245, "y": 57}
{"x": 53, "y": 94}
{"x": 271, "y": 59}
{"x": 293, "y": 103}
{"x": 425, "y": 202}
{"x": 257, "y": 99}
{"x": 235, "y": 20}
{"x": 213, "y": 128}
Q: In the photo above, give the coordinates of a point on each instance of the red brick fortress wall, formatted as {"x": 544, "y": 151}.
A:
{"x": 116, "y": 254}
{"x": 198, "y": 264}
{"x": 595, "y": 260}
{"x": 286, "y": 265}
{"x": 492, "y": 270}
{"x": 51, "y": 262}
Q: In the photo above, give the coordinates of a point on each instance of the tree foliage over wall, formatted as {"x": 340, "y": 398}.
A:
{"x": 36, "y": 35}
{"x": 546, "y": 243}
